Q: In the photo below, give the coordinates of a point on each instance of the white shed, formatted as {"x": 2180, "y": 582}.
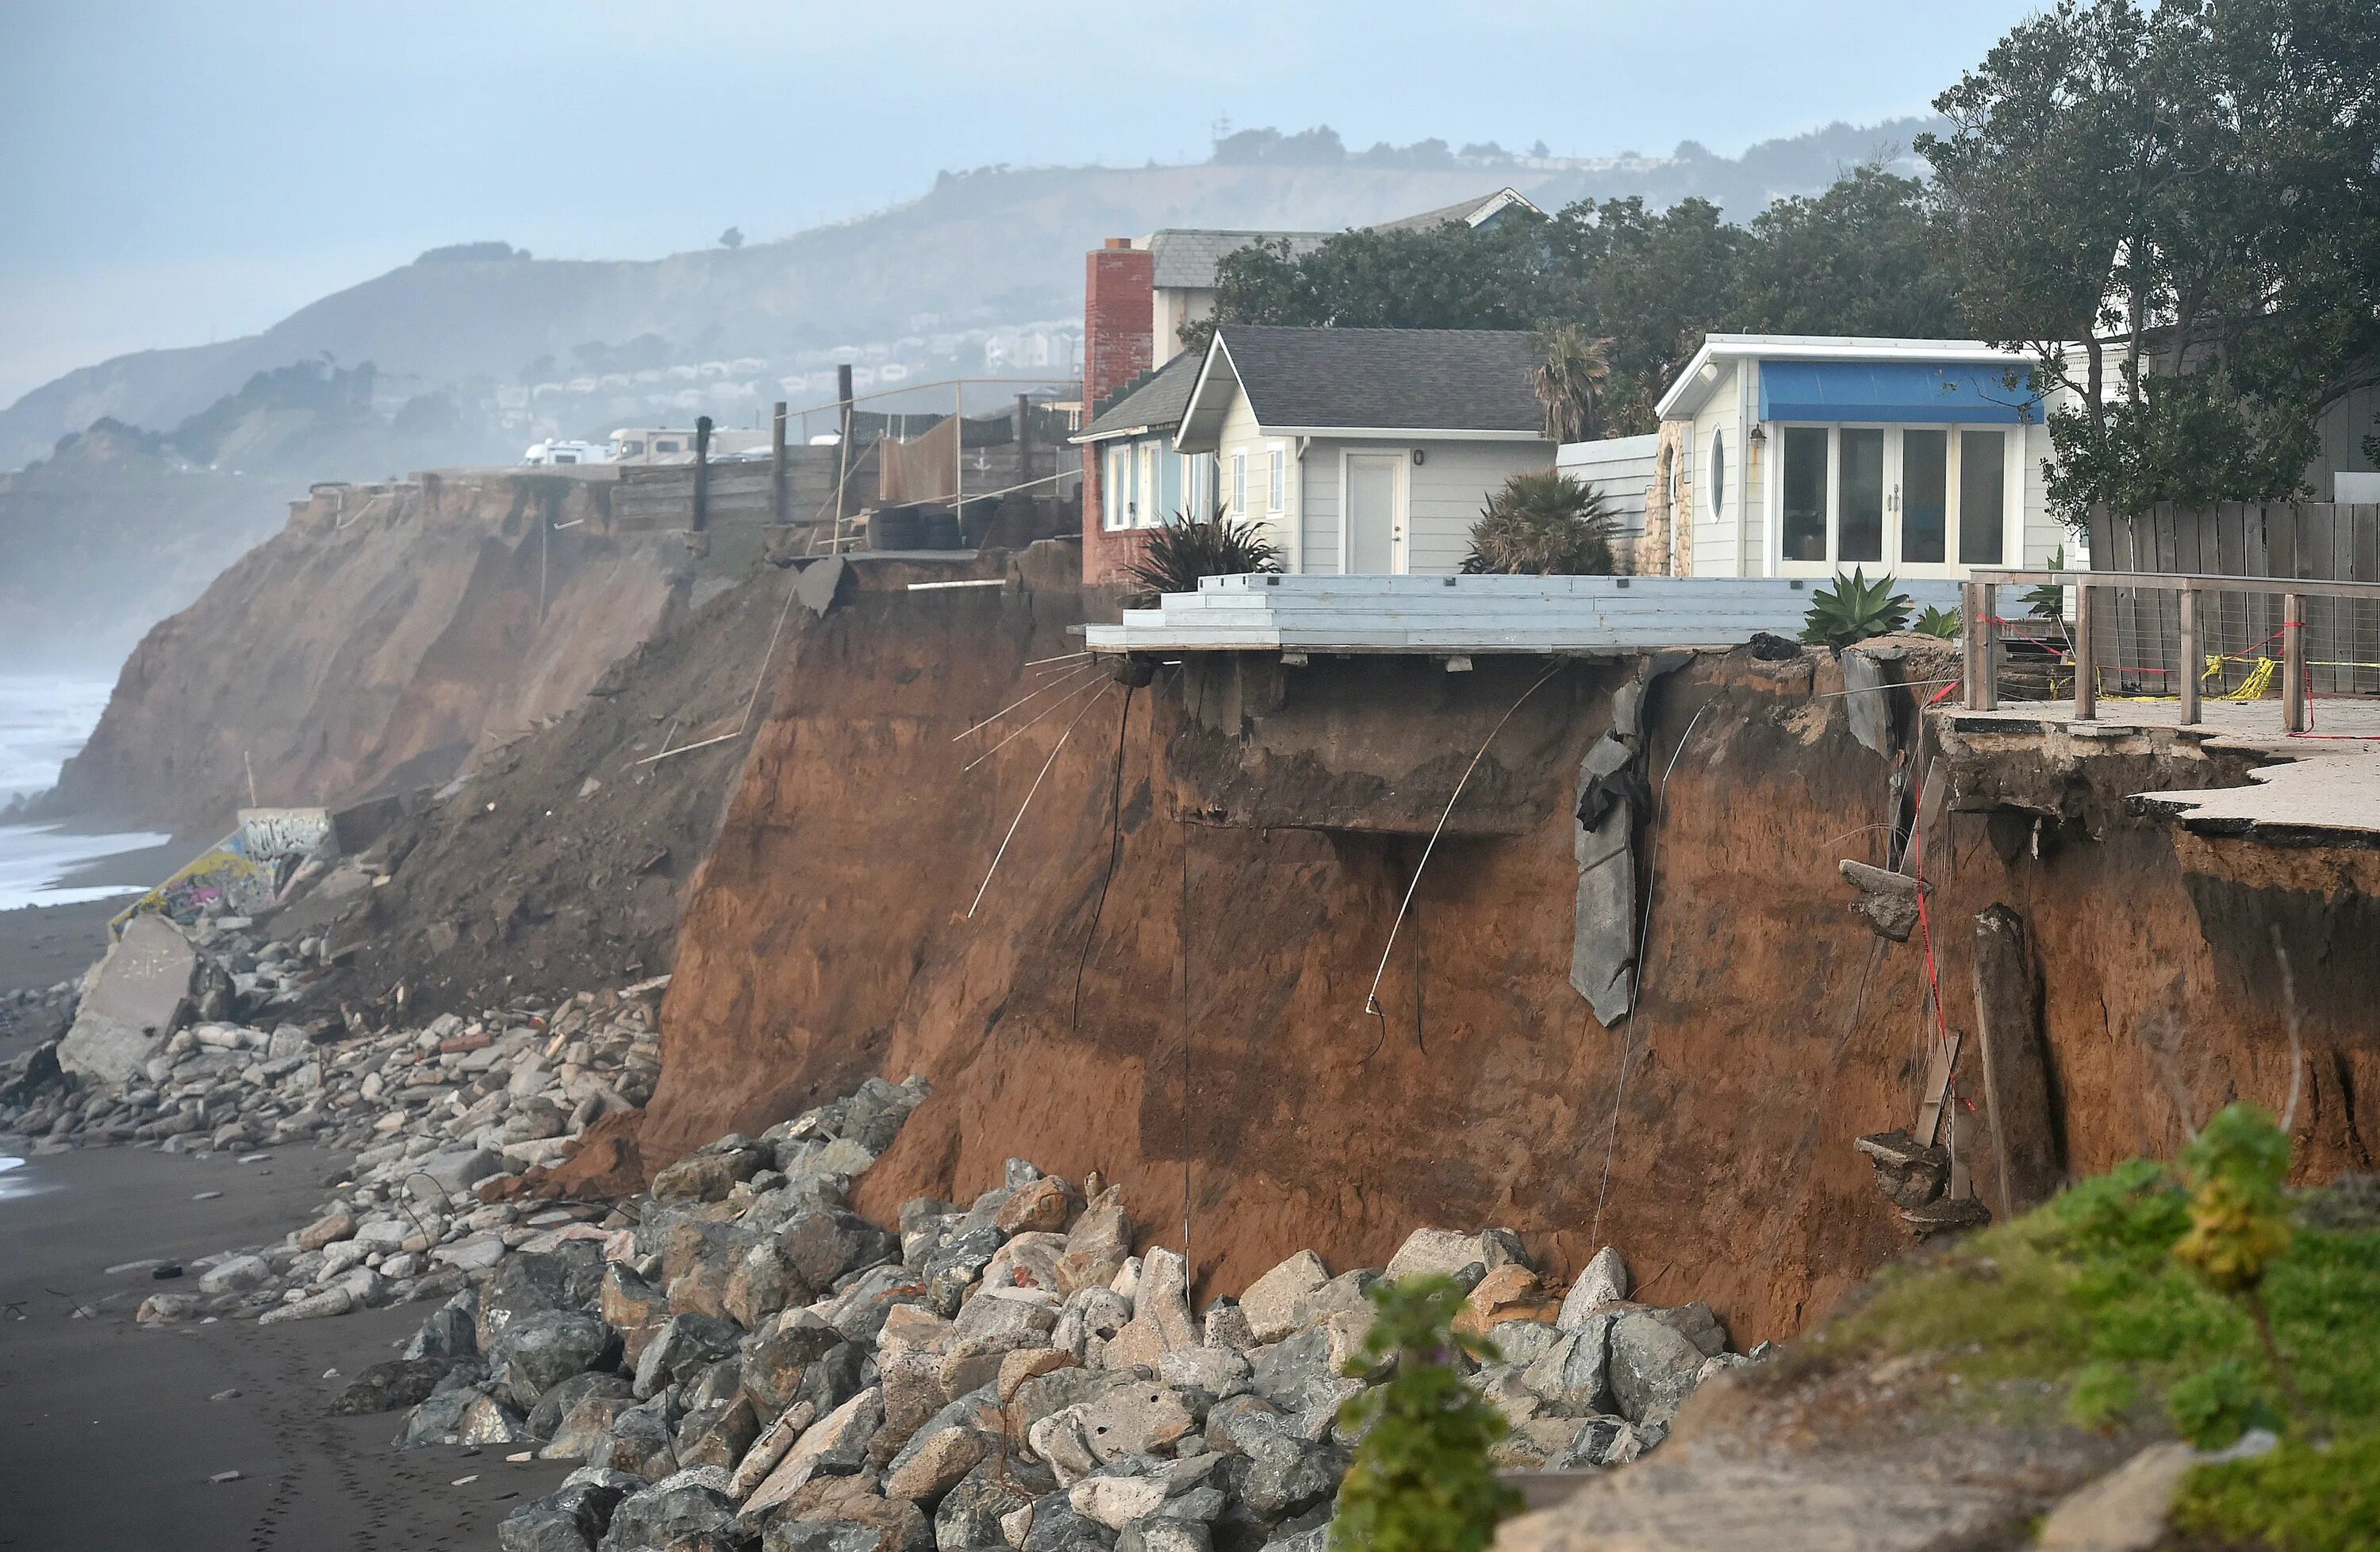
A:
{"x": 1366, "y": 449}
{"x": 1800, "y": 456}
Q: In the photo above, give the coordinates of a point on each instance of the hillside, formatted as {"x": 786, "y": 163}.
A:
{"x": 986, "y": 248}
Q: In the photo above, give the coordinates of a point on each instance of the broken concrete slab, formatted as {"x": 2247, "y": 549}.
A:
{"x": 152, "y": 983}
{"x": 1887, "y": 900}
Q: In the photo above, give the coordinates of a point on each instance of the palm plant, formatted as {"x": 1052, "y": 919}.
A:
{"x": 1854, "y": 609}
{"x": 1184, "y": 549}
{"x": 1542, "y": 524}
{"x": 1570, "y": 383}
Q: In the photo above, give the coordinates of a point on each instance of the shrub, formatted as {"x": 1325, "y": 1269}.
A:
{"x": 1184, "y": 549}
{"x": 1542, "y": 524}
{"x": 1855, "y": 609}
{"x": 1420, "y": 1481}
{"x": 1934, "y": 620}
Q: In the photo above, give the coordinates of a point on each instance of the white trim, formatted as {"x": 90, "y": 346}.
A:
{"x": 1950, "y": 568}
{"x": 1716, "y": 348}
{"x": 1403, "y": 433}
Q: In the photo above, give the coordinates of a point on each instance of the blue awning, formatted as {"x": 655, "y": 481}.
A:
{"x": 1894, "y": 392}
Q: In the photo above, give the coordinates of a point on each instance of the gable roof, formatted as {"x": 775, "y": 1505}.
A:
{"x": 1186, "y": 258}
{"x": 1471, "y": 212}
{"x": 1156, "y": 406}
{"x": 1469, "y": 382}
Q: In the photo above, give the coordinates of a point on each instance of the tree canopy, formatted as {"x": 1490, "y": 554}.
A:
{"x": 2173, "y": 209}
{"x": 2177, "y": 211}
{"x": 1852, "y": 260}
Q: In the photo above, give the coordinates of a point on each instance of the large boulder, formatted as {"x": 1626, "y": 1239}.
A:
{"x": 539, "y": 1352}
{"x": 565, "y": 1278}
{"x": 1270, "y": 1302}
{"x": 390, "y": 1385}
{"x": 666, "y": 1513}
{"x": 1652, "y": 1368}
{"x": 152, "y": 982}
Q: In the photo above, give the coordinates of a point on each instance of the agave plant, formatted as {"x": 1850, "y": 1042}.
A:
{"x": 1184, "y": 549}
{"x": 1542, "y": 524}
{"x": 1936, "y": 621}
{"x": 1855, "y": 609}
{"x": 2047, "y": 602}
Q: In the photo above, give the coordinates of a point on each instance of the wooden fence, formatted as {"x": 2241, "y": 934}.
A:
{"x": 661, "y": 495}
{"x": 2141, "y": 634}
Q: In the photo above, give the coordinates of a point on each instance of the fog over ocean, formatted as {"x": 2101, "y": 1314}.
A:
{"x": 44, "y": 718}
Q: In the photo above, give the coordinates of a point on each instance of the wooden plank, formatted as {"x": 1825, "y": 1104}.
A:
{"x": 1942, "y": 1061}
{"x": 2362, "y": 531}
{"x": 2016, "y": 1063}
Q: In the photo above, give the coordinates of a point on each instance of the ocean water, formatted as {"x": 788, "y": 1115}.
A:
{"x": 44, "y": 718}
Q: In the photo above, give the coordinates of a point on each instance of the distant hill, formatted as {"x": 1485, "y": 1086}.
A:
{"x": 998, "y": 247}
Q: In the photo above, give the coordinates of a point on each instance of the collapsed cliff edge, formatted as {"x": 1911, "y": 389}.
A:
{"x": 1137, "y": 929}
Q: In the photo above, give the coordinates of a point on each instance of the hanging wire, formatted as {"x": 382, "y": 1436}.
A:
{"x": 1372, "y": 1002}
{"x": 1045, "y": 711}
{"x": 1028, "y": 800}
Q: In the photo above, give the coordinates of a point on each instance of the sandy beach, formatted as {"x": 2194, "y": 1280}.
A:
{"x": 110, "y": 1435}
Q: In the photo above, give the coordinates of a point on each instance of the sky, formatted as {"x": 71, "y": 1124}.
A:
{"x": 174, "y": 173}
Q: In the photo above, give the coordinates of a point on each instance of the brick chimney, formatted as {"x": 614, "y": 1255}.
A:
{"x": 1116, "y": 348}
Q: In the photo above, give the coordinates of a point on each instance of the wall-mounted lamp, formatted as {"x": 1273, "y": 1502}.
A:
{"x": 1759, "y": 433}
{"x": 1419, "y": 456}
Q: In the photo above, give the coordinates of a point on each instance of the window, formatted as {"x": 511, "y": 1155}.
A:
{"x": 1239, "y": 484}
{"x": 1805, "y": 493}
{"x": 665, "y": 445}
{"x": 1275, "y": 481}
{"x": 1719, "y": 473}
{"x": 1111, "y": 490}
{"x": 1144, "y": 506}
{"x": 1925, "y": 496}
{"x": 1860, "y": 536}
{"x": 1983, "y": 496}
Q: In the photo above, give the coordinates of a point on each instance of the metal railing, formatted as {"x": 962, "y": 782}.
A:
{"x": 2218, "y": 619}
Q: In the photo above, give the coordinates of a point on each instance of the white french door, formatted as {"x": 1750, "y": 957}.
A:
{"x": 1911, "y": 501}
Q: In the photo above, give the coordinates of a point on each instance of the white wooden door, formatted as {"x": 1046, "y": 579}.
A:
{"x": 1375, "y": 528}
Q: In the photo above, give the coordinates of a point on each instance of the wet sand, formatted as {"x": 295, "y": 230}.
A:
{"x": 107, "y": 1436}
{"x": 42, "y": 945}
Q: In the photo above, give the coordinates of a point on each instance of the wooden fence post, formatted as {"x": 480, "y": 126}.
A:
{"x": 2293, "y": 665}
{"x": 2086, "y": 673}
{"x": 842, "y": 450}
{"x": 702, "y": 472}
{"x": 777, "y": 464}
{"x": 1987, "y": 636}
{"x": 2192, "y": 653}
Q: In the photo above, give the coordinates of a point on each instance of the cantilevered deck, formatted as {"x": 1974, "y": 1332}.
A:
{"x": 1461, "y": 616}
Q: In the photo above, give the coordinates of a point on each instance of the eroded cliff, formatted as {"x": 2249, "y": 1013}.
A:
{"x": 376, "y": 642}
{"x": 1181, "y": 1004}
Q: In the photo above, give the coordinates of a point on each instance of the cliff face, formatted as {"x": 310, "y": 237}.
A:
{"x": 1195, "y": 1026}
{"x": 377, "y": 641}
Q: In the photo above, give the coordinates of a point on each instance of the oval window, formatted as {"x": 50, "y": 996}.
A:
{"x": 1717, "y": 471}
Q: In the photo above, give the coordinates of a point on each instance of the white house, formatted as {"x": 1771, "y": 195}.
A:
{"x": 1800, "y": 455}
{"x": 1364, "y": 450}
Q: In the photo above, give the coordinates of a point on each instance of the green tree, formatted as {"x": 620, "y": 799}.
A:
{"x": 1543, "y": 523}
{"x": 1854, "y": 260}
{"x": 1420, "y": 1481}
{"x": 2176, "y": 213}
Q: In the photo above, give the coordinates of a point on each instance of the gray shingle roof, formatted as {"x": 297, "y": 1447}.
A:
{"x": 1461, "y": 210}
{"x": 1157, "y": 403}
{"x": 1185, "y": 257}
{"x": 1473, "y": 380}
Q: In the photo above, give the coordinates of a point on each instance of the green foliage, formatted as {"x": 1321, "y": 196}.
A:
{"x": 1854, "y": 260}
{"x": 2239, "y": 1220}
{"x": 1420, "y": 1481}
{"x": 2303, "y": 1497}
{"x": 1933, "y": 620}
{"x": 2102, "y": 1396}
{"x": 2047, "y": 600}
{"x": 1542, "y": 524}
{"x": 2181, "y": 190}
{"x": 1184, "y": 549}
{"x": 2214, "y": 1406}
{"x": 1853, "y": 610}
{"x": 1570, "y": 383}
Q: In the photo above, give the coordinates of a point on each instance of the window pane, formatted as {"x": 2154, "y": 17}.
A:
{"x": 1805, "y": 493}
{"x": 1863, "y": 516}
{"x": 1239, "y": 484}
{"x": 1111, "y": 490}
{"x": 1983, "y": 496}
{"x": 1925, "y": 496}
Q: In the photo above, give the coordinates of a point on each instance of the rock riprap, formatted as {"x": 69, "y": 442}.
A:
{"x": 758, "y": 1368}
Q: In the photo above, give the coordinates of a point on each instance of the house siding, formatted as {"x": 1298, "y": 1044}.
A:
{"x": 1445, "y": 492}
{"x": 1621, "y": 470}
{"x": 1714, "y": 547}
{"x": 2043, "y": 533}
